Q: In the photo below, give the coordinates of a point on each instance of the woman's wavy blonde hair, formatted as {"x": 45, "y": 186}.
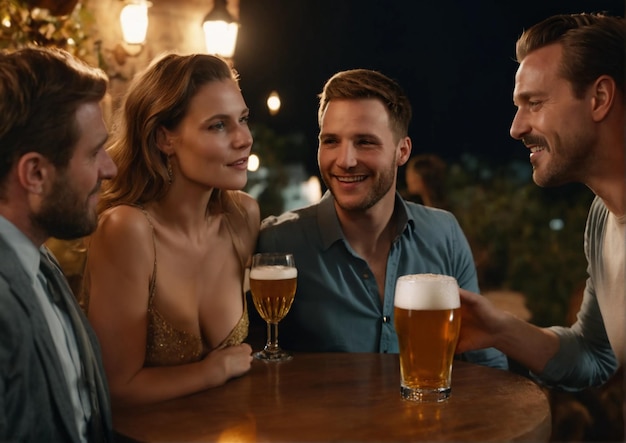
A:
{"x": 158, "y": 97}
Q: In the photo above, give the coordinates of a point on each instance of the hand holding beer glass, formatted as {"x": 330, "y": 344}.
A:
{"x": 273, "y": 286}
{"x": 427, "y": 318}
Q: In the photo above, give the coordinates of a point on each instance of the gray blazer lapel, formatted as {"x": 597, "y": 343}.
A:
{"x": 21, "y": 287}
{"x": 91, "y": 360}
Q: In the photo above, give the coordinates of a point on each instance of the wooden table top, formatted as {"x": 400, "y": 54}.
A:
{"x": 345, "y": 397}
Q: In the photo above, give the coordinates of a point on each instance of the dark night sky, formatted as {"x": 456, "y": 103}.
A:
{"x": 454, "y": 58}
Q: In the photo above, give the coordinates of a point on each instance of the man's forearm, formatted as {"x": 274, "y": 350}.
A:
{"x": 529, "y": 345}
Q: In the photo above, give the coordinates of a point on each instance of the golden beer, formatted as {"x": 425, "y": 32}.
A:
{"x": 273, "y": 289}
{"x": 427, "y": 319}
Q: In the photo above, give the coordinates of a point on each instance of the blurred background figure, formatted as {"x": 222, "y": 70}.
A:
{"x": 425, "y": 177}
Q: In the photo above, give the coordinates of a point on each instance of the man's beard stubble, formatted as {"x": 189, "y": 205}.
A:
{"x": 379, "y": 189}
{"x": 63, "y": 215}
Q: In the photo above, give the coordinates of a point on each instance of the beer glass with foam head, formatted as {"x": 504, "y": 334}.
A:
{"x": 273, "y": 286}
{"x": 427, "y": 318}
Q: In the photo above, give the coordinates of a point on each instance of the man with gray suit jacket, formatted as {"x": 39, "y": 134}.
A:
{"x": 52, "y": 162}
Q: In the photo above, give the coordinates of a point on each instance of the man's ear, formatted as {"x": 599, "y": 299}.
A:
{"x": 404, "y": 151}
{"x": 603, "y": 93}
{"x": 33, "y": 171}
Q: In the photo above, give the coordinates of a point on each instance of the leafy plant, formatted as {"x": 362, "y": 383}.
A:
{"x": 524, "y": 238}
{"x": 24, "y": 24}
{"x": 275, "y": 152}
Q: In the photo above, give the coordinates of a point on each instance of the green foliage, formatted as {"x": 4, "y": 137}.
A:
{"x": 22, "y": 25}
{"x": 507, "y": 220}
{"x": 274, "y": 151}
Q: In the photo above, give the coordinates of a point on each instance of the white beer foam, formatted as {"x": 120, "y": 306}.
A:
{"x": 427, "y": 292}
{"x": 273, "y": 272}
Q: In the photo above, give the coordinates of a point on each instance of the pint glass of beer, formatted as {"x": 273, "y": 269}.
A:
{"x": 273, "y": 286}
{"x": 427, "y": 318}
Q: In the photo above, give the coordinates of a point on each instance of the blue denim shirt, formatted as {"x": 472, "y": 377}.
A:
{"x": 337, "y": 307}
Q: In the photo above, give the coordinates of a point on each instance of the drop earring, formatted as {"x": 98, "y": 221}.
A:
{"x": 170, "y": 171}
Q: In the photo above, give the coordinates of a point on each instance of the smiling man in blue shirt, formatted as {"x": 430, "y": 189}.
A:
{"x": 351, "y": 247}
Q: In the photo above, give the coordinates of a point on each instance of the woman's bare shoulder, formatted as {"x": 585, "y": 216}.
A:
{"x": 124, "y": 219}
{"x": 123, "y": 228}
{"x": 250, "y": 208}
{"x": 247, "y": 219}
{"x": 120, "y": 261}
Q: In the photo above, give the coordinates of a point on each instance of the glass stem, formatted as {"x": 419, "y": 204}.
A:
{"x": 272, "y": 337}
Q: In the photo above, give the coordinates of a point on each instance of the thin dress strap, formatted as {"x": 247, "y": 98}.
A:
{"x": 154, "y": 268}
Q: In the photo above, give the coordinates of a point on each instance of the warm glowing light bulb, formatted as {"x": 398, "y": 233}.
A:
{"x": 220, "y": 37}
{"x": 134, "y": 20}
{"x": 253, "y": 162}
{"x": 273, "y": 103}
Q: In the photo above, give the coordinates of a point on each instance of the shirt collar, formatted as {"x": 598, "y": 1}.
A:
{"x": 403, "y": 214}
{"x": 330, "y": 228}
{"x": 27, "y": 253}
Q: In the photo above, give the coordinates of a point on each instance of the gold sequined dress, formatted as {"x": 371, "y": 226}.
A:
{"x": 167, "y": 345}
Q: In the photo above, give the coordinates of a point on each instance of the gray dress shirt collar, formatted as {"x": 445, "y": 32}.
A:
{"x": 27, "y": 253}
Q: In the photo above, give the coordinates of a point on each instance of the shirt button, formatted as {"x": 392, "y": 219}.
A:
{"x": 366, "y": 275}
{"x": 386, "y": 319}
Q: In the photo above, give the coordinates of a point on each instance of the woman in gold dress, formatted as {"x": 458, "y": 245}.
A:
{"x": 163, "y": 282}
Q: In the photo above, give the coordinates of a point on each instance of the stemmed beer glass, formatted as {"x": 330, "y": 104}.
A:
{"x": 273, "y": 286}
